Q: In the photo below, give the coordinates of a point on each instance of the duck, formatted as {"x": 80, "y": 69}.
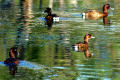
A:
{"x": 12, "y": 59}
{"x": 96, "y": 14}
{"x": 13, "y": 52}
{"x": 83, "y": 45}
{"x": 50, "y": 16}
{"x": 12, "y": 62}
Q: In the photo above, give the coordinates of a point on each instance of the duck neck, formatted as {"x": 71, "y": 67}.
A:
{"x": 105, "y": 10}
{"x": 12, "y": 54}
{"x": 85, "y": 40}
{"x": 105, "y": 21}
{"x": 49, "y": 13}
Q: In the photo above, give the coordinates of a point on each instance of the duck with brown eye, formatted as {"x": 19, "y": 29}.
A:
{"x": 83, "y": 45}
{"x": 13, "y": 52}
{"x": 50, "y": 16}
{"x": 12, "y": 56}
{"x": 97, "y": 14}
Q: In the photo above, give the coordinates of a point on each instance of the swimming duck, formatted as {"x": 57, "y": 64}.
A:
{"x": 12, "y": 59}
{"x": 51, "y": 16}
{"x": 13, "y": 52}
{"x": 83, "y": 45}
{"x": 96, "y": 14}
{"x": 12, "y": 62}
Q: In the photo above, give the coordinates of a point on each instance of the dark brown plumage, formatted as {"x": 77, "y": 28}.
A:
{"x": 12, "y": 62}
{"x": 49, "y": 14}
{"x": 12, "y": 59}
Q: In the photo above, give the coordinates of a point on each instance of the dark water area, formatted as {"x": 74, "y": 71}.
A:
{"x": 45, "y": 48}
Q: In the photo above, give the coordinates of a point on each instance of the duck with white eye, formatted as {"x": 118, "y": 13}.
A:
{"x": 97, "y": 14}
{"x": 83, "y": 45}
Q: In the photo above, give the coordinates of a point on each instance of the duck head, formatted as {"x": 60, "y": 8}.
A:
{"x": 13, "y": 52}
{"x": 87, "y": 37}
{"x": 48, "y": 10}
{"x": 107, "y": 6}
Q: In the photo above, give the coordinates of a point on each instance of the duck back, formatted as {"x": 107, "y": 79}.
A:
{"x": 82, "y": 44}
{"x": 93, "y": 14}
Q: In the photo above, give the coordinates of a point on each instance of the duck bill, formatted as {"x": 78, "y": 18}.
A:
{"x": 92, "y": 37}
{"x": 111, "y": 8}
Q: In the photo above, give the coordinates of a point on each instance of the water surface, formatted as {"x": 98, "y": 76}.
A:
{"x": 46, "y": 51}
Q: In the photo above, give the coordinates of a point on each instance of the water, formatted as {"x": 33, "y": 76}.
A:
{"x": 46, "y": 52}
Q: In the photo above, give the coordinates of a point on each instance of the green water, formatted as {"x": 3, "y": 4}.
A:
{"x": 49, "y": 49}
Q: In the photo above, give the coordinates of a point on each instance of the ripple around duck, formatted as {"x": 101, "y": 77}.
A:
{"x": 2, "y": 63}
{"x": 64, "y": 19}
{"x": 60, "y": 68}
{"x": 42, "y": 18}
{"x": 76, "y": 15}
{"x": 26, "y": 64}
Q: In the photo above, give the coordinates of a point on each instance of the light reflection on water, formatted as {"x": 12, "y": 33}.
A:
{"x": 52, "y": 46}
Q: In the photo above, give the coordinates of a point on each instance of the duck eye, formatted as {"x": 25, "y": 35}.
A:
{"x": 108, "y": 5}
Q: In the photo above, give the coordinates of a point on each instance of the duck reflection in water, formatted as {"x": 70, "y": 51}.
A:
{"x": 86, "y": 52}
{"x": 50, "y": 18}
{"x": 96, "y": 14}
{"x": 105, "y": 21}
{"x": 49, "y": 24}
{"x": 83, "y": 46}
{"x": 12, "y": 62}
